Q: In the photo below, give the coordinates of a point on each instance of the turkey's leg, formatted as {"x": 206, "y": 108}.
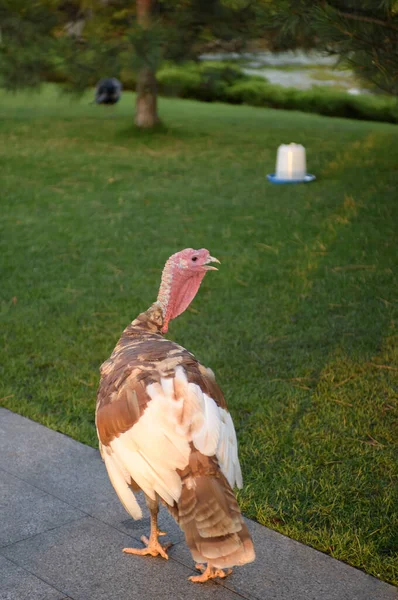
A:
{"x": 153, "y": 547}
{"x": 209, "y": 572}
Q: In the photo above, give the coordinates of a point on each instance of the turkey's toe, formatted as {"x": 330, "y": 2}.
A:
{"x": 209, "y": 572}
{"x": 153, "y": 548}
{"x": 222, "y": 573}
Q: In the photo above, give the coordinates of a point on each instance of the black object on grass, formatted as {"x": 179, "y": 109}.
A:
{"x": 108, "y": 91}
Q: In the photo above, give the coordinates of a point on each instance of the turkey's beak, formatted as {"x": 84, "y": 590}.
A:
{"x": 210, "y": 260}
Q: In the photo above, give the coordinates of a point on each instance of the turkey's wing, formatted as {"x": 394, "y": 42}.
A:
{"x": 147, "y": 420}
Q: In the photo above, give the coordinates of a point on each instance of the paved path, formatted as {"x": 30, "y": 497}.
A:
{"x": 62, "y": 530}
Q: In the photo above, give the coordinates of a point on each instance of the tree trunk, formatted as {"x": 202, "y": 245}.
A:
{"x": 146, "y": 115}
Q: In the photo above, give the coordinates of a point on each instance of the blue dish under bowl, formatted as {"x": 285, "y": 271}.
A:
{"x": 306, "y": 179}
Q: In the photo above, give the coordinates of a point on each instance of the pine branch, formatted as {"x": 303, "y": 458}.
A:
{"x": 361, "y": 16}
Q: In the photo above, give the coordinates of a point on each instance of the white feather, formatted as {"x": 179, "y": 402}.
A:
{"x": 157, "y": 445}
{"x": 151, "y": 459}
{"x": 207, "y": 437}
{"x": 168, "y": 386}
{"x": 122, "y": 489}
{"x": 227, "y": 450}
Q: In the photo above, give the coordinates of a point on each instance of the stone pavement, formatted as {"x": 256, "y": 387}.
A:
{"x": 62, "y": 530}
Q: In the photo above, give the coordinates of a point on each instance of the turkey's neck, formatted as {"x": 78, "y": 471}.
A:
{"x": 164, "y": 293}
{"x": 150, "y": 321}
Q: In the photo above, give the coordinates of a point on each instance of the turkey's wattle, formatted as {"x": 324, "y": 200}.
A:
{"x": 164, "y": 428}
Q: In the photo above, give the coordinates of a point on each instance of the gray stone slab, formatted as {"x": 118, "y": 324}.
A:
{"x": 18, "y": 584}
{"x": 47, "y": 459}
{"x": 287, "y": 570}
{"x": 25, "y": 517}
{"x": 84, "y": 484}
{"x": 84, "y": 560}
{"x": 12, "y": 489}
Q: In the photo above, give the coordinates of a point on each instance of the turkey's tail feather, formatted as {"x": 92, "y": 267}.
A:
{"x": 209, "y": 515}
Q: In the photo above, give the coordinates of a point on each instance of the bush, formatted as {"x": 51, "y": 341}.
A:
{"x": 256, "y": 93}
{"x": 216, "y": 78}
{"x": 317, "y": 100}
{"x": 175, "y": 81}
{"x": 218, "y": 71}
{"x": 208, "y": 81}
{"x": 375, "y": 108}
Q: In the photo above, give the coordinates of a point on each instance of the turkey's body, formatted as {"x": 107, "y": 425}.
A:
{"x": 108, "y": 91}
{"x": 164, "y": 428}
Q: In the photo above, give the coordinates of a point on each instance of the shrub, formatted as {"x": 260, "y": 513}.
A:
{"x": 176, "y": 81}
{"x": 226, "y": 72}
{"x": 256, "y": 93}
{"x": 218, "y": 78}
{"x": 317, "y": 100}
{"x": 327, "y": 102}
{"x": 208, "y": 81}
{"x": 375, "y": 108}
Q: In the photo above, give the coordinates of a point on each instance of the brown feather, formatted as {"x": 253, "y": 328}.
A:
{"x": 209, "y": 515}
{"x": 141, "y": 357}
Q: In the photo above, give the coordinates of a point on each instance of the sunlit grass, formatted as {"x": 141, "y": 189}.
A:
{"x": 299, "y": 323}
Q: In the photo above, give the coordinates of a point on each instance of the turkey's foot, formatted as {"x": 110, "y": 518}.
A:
{"x": 153, "y": 547}
{"x": 209, "y": 572}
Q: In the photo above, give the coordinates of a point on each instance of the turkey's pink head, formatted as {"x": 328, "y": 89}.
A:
{"x": 181, "y": 279}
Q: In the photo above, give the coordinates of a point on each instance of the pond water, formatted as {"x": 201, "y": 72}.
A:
{"x": 296, "y": 69}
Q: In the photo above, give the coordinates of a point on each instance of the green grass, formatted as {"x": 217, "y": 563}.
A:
{"x": 299, "y": 324}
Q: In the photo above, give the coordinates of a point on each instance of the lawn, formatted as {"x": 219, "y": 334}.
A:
{"x": 299, "y": 324}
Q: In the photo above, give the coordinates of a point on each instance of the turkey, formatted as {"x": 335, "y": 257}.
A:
{"x": 164, "y": 428}
{"x": 108, "y": 91}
